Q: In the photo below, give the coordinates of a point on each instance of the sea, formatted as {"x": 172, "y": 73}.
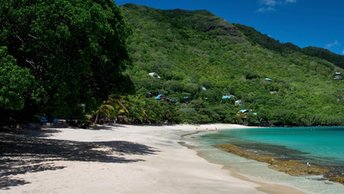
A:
{"x": 321, "y": 146}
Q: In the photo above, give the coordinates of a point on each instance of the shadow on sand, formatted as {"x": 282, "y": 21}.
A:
{"x": 25, "y": 151}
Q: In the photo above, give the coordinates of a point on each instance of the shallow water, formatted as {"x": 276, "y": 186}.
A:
{"x": 316, "y": 145}
{"x": 320, "y": 144}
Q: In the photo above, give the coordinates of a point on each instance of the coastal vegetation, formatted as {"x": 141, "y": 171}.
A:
{"x": 60, "y": 58}
{"x": 93, "y": 61}
{"x": 210, "y": 70}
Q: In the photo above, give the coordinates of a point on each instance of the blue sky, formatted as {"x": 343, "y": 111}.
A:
{"x": 303, "y": 22}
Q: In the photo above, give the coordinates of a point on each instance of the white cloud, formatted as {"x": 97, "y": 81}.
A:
{"x": 265, "y": 9}
{"x": 290, "y": 1}
{"x": 332, "y": 44}
{"x": 271, "y": 5}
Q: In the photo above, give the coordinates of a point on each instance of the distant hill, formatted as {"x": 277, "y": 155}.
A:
{"x": 325, "y": 54}
{"x": 215, "y": 71}
{"x": 265, "y": 41}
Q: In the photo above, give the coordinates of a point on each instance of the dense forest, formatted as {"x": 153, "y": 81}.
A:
{"x": 90, "y": 60}
{"x": 209, "y": 70}
{"x": 60, "y": 58}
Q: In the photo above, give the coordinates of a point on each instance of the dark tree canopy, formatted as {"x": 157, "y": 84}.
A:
{"x": 75, "y": 49}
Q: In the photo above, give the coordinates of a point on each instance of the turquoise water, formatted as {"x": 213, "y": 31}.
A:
{"x": 317, "y": 145}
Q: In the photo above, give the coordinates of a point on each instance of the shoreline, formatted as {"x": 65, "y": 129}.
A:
{"x": 264, "y": 186}
{"x": 149, "y": 159}
{"x": 270, "y": 163}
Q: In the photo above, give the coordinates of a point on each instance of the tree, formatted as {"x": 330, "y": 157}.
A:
{"x": 76, "y": 50}
{"x": 112, "y": 108}
{"x": 105, "y": 112}
{"x": 15, "y": 82}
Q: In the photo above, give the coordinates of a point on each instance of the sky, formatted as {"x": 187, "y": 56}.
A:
{"x": 303, "y": 22}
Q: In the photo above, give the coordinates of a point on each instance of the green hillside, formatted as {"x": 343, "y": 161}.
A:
{"x": 325, "y": 54}
{"x": 265, "y": 41}
{"x": 200, "y": 58}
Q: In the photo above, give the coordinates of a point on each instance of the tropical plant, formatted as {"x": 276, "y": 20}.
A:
{"x": 75, "y": 50}
{"x": 15, "y": 82}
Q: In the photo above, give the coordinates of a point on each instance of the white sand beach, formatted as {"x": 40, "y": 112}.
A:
{"x": 158, "y": 164}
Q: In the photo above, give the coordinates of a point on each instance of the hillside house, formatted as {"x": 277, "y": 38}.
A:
{"x": 228, "y": 97}
{"x": 159, "y": 97}
{"x": 238, "y": 103}
{"x": 154, "y": 75}
{"x": 268, "y": 79}
{"x": 338, "y": 76}
{"x": 243, "y": 111}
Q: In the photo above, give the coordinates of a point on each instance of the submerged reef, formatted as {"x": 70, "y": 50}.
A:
{"x": 291, "y": 166}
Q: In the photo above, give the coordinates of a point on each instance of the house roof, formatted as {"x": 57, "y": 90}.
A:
{"x": 227, "y": 97}
{"x": 158, "y": 97}
{"x": 154, "y": 75}
{"x": 238, "y": 102}
{"x": 243, "y": 110}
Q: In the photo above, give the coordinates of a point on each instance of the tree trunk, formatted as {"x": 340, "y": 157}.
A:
{"x": 96, "y": 119}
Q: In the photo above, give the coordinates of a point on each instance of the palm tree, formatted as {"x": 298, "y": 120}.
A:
{"x": 119, "y": 104}
{"x": 105, "y": 111}
{"x": 110, "y": 109}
